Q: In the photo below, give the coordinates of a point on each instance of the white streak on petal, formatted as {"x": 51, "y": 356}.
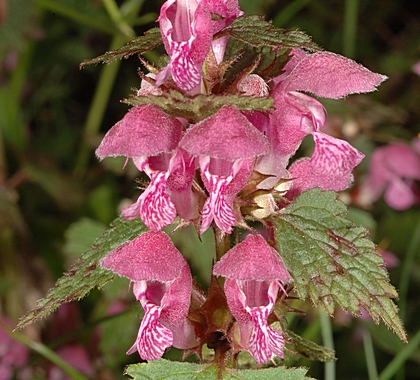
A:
{"x": 153, "y": 338}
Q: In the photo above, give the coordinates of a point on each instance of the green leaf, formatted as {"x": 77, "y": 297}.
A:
{"x": 199, "y": 107}
{"x": 165, "y": 369}
{"x": 86, "y": 273}
{"x": 267, "y": 61}
{"x": 333, "y": 261}
{"x": 80, "y": 236}
{"x": 139, "y": 45}
{"x": 310, "y": 349}
{"x": 255, "y": 31}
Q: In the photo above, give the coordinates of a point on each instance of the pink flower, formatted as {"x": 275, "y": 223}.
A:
{"x": 13, "y": 355}
{"x": 393, "y": 170}
{"x": 187, "y": 30}
{"x": 150, "y": 137}
{"x": 187, "y": 34}
{"x": 77, "y": 357}
{"x": 416, "y": 68}
{"x": 162, "y": 284}
{"x": 227, "y": 11}
{"x": 325, "y": 75}
{"x": 253, "y": 270}
{"x": 226, "y": 144}
{"x": 329, "y": 168}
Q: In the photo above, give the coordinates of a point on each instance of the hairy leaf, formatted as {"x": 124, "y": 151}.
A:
{"x": 199, "y": 107}
{"x": 86, "y": 274}
{"x": 333, "y": 261}
{"x": 139, "y": 45}
{"x": 268, "y": 62}
{"x": 165, "y": 369}
{"x": 255, "y": 31}
{"x": 310, "y": 349}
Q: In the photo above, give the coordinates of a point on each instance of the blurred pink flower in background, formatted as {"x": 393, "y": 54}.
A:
{"x": 77, "y": 357}
{"x": 13, "y": 355}
{"x": 393, "y": 169}
{"x": 416, "y": 68}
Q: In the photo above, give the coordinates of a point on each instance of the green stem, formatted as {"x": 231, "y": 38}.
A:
{"x": 3, "y": 161}
{"x": 328, "y": 341}
{"x": 350, "y": 27}
{"x": 287, "y": 13}
{"x": 222, "y": 243}
{"x": 370, "y": 356}
{"x": 97, "y": 108}
{"x": 45, "y": 352}
{"x": 118, "y": 19}
{"x": 87, "y": 328}
{"x": 105, "y": 84}
{"x": 392, "y": 368}
{"x": 410, "y": 256}
{"x": 70, "y": 13}
{"x": 11, "y": 119}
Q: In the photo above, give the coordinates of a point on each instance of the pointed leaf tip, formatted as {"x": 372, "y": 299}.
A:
{"x": 333, "y": 261}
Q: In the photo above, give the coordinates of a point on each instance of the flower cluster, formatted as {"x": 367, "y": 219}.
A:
{"x": 215, "y": 172}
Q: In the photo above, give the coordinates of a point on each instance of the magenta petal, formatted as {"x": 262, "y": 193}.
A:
{"x": 253, "y": 85}
{"x": 305, "y": 178}
{"x": 287, "y": 127}
{"x": 216, "y": 206}
{"x": 226, "y": 135}
{"x": 333, "y": 156}
{"x": 155, "y": 208}
{"x": 312, "y": 120}
{"x": 144, "y": 131}
{"x": 297, "y": 55}
{"x": 251, "y": 303}
{"x": 329, "y": 75}
{"x": 151, "y": 256}
{"x": 392, "y": 167}
{"x": 179, "y": 185}
{"x": 264, "y": 340}
{"x": 258, "y": 342}
{"x": 153, "y": 338}
{"x": 259, "y": 262}
{"x": 399, "y": 159}
{"x": 399, "y": 194}
{"x": 329, "y": 167}
{"x": 185, "y": 72}
{"x": 162, "y": 284}
{"x": 187, "y": 34}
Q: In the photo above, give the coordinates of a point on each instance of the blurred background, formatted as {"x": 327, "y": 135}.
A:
{"x": 56, "y": 197}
